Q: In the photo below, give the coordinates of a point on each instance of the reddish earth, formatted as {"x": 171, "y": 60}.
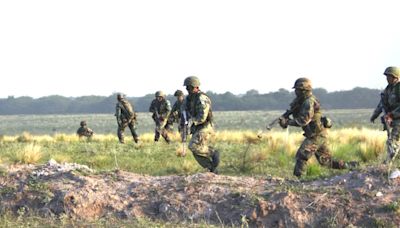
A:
{"x": 362, "y": 198}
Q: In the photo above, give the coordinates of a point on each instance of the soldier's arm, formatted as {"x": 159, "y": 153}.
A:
{"x": 305, "y": 115}
{"x": 152, "y": 107}
{"x": 378, "y": 110}
{"x": 174, "y": 110}
{"x": 203, "y": 107}
{"x": 167, "y": 110}
{"x": 117, "y": 110}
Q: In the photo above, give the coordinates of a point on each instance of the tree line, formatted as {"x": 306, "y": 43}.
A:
{"x": 252, "y": 100}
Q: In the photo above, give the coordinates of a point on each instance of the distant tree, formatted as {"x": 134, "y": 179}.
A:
{"x": 251, "y": 100}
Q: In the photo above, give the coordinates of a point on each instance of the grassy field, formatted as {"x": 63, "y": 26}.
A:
{"x": 106, "y": 123}
{"x": 243, "y": 153}
{"x": 37, "y": 139}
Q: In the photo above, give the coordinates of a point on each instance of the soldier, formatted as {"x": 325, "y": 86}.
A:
{"x": 161, "y": 109}
{"x": 306, "y": 113}
{"x": 176, "y": 113}
{"x": 84, "y": 131}
{"x": 126, "y": 116}
{"x": 197, "y": 107}
{"x": 390, "y": 104}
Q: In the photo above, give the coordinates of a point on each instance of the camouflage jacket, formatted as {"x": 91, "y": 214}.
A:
{"x": 391, "y": 99}
{"x": 162, "y": 109}
{"x": 124, "y": 111}
{"x": 176, "y": 112}
{"x": 307, "y": 114}
{"x": 84, "y": 131}
{"x": 199, "y": 109}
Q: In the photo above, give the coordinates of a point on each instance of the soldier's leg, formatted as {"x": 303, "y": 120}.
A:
{"x": 120, "y": 132}
{"x": 198, "y": 146}
{"x": 304, "y": 153}
{"x": 135, "y": 136}
{"x": 393, "y": 145}
{"x": 169, "y": 126}
{"x": 324, "y": 156}
{"x": 164, "y": 133}
{"x": 215, "y": 159}
{"x": 156, "y": 134}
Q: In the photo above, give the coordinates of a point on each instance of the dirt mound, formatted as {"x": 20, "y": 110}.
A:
{"x": 359, "y": 198}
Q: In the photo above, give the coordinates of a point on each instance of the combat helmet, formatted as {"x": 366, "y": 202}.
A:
{"x": 192, "y": 81}
{"x": 303, "y": 84}
{"x": 83, "y": 123}
{"x": 178, "y": 93}
{"x": 393, "y": 71}
{"x": 120, "y": 96}
{"x": 160, "y": 94}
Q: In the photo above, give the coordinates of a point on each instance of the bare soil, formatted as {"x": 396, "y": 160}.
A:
{"x": 361, "y": 198}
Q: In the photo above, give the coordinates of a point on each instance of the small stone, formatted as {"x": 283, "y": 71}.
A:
{"x": 163, "y": 208}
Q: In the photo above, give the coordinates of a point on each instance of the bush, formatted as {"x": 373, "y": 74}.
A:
{"x": 30, "y": 154}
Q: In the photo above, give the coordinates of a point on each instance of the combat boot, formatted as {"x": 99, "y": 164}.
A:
{"x": 215, "y": 161}
{"x": 136, "y": 140}
{"x": 299, "y": 167}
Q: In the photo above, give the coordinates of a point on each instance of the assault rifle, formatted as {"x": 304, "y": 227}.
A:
{"x": 275, "y": 121}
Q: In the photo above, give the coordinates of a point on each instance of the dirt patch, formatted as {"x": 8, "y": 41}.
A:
{"x": 360, "y": 198}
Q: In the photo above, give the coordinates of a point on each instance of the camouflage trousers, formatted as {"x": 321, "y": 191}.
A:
{"x": 163, "y": 130}
{"x": 319, "y": 147}
{"x": 121, "y": 130}
{"x": 204, "y": 154}
{"x": 393, "y": 144}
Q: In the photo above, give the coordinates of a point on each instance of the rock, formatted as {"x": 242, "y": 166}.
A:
{"x": 379, "y": 194}
{"x": 395, "y": 174}
{"x": 163, "y": 208}
{"x": 52, "y": 162}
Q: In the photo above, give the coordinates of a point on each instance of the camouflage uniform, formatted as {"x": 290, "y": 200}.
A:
{"x": 84, "y": 131}
{"x": 126, "y": 117}
{"x": 390, "y": 103}
{"x": 198, "y": 109}
{"x": 306, "y": 113}
{"x": 176, "y": 112}
{"x": 161, "y": 110}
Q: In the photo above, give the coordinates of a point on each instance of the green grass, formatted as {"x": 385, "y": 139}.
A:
{"x": 240, "y": 154}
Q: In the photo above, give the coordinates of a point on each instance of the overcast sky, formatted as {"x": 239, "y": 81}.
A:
{"x": 76, "y": 48}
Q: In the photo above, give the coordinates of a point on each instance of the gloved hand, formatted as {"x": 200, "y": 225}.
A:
{"x": 283, "y": 122}
{"x": 389, "y": 118}
{"x": 372, "y": 119}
